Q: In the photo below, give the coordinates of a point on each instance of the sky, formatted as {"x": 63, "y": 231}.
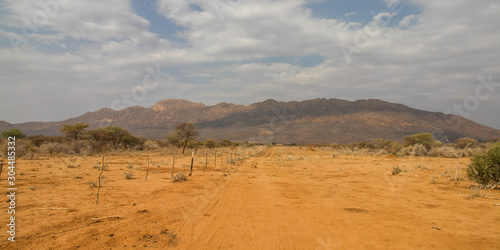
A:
{"x": 62, "y": 58}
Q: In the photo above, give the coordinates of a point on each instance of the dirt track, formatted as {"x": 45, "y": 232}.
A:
{"x": 283, "y": 198}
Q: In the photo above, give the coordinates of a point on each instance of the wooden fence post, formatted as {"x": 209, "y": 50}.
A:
{"x": 147, "y": 171}
{"x": 99, "y": 180}
{"x": 173, "y": 162}
{"x": 192, "y": 159}
{"x": 206, "y": 161}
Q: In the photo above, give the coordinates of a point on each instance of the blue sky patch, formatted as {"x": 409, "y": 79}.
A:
{"x": 361, "y": 11}
{"x": 160, "y": 25}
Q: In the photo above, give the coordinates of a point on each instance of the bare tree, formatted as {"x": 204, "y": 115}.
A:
{"x": 186, "y": 131}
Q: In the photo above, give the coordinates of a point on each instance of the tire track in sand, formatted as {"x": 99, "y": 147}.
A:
{"x": 249, "y": 213}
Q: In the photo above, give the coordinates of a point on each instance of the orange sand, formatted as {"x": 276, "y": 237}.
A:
{"x": 282, "y": 198}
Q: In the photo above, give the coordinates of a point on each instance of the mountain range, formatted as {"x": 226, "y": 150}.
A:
{"x": 311, "y": 121}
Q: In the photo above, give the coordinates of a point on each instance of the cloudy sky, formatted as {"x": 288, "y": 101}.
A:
{"x": 62, "y": 58}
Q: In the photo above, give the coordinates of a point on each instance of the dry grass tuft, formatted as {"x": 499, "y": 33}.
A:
{"x": 179, "y": 177}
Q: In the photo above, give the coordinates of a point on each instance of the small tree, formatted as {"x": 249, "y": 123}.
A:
{"x": 38, "y": 140}
{"x": 491, "y": 140}
{"x": 117, "y": 136}
{"x": 13, "y": 132}
{"x": 484, "y": 169}
{"x": 98, "y": 138}
{"x": 425, "y": 139}
{"x": 463, "y": 142}
{"x": 131, "y": 142}
{"x": 225, "y": 143}
{"x": 390, "y": 146}
{"x": 174, "y": 140}
{"x": 74, "y": 130}
{"x": 194, "y": 144}
{"x": 210, "y": 143}
{"x": 185, "y": 132}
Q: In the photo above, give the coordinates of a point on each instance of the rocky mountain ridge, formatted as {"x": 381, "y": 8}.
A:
{"x": 311, "y": 121}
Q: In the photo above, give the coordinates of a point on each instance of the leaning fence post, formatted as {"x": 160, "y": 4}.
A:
{"x": 99, "y": 180}
{"x": 206, "y": 161}
{"x": 192, "y": 160}
{"x": 147, "y": 171}
{"x": 173, "y": 162}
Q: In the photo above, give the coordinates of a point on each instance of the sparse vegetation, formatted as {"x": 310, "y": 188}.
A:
{"x": 128, "y": 174}
{"x": 396, "y": 170}
{"x": 92, "y": 184}
{"x": 474, "y": 192}
{"x": 13, "y": 132}
{"x": 435, "y": 180}
{"x": 184, "y": 133}
{"x": 484, "y": 169}
{"x": 180, "y": 177}
{"x": 210, "y": 144}
{"x": 74, "y": 130}
{"x": 425, "y": 139}
{"x": 352, "y": 180}
{"x": 464, "y": 142}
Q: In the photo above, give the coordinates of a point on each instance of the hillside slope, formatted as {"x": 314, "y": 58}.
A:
{"x": 310, "y": 121}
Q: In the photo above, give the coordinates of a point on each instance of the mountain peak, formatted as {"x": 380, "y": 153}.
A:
{"x": 175, "y": 104}
{"x": 318, "y": 120}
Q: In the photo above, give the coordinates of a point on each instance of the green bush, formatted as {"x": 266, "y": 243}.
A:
{"x": 425, "y": 139}
{"x": 484, "y": 169}
{"x": 13, "y": 132}
{"x": 463, "y": 142}
{"x": 396, "y": 170}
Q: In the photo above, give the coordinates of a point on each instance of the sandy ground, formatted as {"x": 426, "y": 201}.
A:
{"x": 281, "y": 198}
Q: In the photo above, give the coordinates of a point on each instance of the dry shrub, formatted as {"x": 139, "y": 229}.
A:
{"x": 24, "y": 148}
{"x": 179, "y": 177}
{"x": 407, "y": 150}
{"x": 452, "y": 152}
{"x": 364, "y": 151}
{"x": 446, "y": 152}
{"x": 389, "y": 146}
{"x": 415, "y": 150}
{"x": 473, "y": 151}
{"x": 128, "y": 174}
{"x": 80, "y": 148}
{"x": 419, "y": 150}
{"x": 151, "y": 145}
{"x": 3, "y": 147}
{"x": 51, "y": 148}
{"x": 484, "y": 169}
{"x": 396, "y": 170}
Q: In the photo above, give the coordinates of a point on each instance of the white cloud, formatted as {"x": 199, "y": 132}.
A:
{"x": 392, "y": 3}
{"x": 105, "y": 46}
{"x": 351, "y": 13}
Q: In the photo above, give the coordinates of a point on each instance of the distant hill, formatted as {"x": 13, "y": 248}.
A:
{"x": 310, "y": 121}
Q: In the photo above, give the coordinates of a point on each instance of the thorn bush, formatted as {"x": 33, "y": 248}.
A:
{"x": 484, "y": 169}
